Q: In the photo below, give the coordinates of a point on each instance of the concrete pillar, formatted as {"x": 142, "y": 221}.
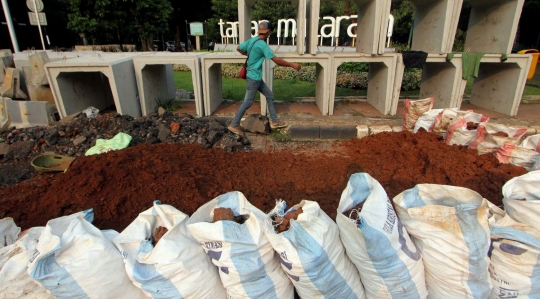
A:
{"x": 500, "y": 85}
{"x": 493, "y": 25}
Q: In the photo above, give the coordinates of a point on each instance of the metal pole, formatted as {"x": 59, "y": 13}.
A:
{"x": 39, "y": 25}
{"x": 9, "y": 22}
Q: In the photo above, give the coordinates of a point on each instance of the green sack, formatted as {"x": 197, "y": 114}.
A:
{"x": 120, "y": 141}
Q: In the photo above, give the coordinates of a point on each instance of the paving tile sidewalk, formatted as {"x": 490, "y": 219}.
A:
{"x": 304, "y": 116}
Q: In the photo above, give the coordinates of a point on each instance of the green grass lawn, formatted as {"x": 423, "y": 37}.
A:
{"x": 289, "y": 90}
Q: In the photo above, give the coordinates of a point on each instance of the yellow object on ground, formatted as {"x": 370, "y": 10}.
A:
{"x": 534, "y": 62}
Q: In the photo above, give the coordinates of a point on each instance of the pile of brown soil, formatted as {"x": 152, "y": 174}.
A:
{"x": 121, "y": 184}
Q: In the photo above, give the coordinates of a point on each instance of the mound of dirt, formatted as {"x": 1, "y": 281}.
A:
{"x": 119, "y": 185}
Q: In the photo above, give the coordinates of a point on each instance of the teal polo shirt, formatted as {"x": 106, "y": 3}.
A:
{"x": 259, "y": 51}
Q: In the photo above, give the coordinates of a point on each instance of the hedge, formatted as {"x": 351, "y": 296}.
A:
{"x": 353, "y": 75}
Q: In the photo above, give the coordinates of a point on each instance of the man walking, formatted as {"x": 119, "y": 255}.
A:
{"x": 257, "y": 50}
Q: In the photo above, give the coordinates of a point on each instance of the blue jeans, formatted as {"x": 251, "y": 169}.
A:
{"x": 252, "y": 87}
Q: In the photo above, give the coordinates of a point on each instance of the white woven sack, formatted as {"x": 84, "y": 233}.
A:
{"x": 449, "y": 226}
{"x": 532, "y": 142}
{"x": 389, "y": 264}
{"x": 248, "y": 265}
{"x": 176, "y": 266}
{"x": 74, "y": 259}
{"x": 458, "y": 133}
{"x": 426, "y": 120}
{"x": 312, "y": 255}
{"x": 14, "y": 279}
{"x": 519, "y": 156}
{"x": 515, "y": 264}
{"x": 521, "y": 198}
{"x": 487, "y": 142}
{"x": 9, "y": 231}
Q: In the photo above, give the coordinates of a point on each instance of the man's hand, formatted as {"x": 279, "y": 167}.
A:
{"x": 296, "y": 66}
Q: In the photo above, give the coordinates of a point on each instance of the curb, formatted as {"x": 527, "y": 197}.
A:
{"x": 304, "y": 132}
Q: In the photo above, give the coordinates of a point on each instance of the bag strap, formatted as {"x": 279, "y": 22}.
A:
{"x": 245, "y": 63}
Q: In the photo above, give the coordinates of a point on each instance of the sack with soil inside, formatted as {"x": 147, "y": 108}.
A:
{"x": 490, "y": 137}
{"x": 522, "y": 198}
{"x": 240, "y": 251}
{"x": 377, "y": 243}
{"x": 449, "y": 226}
{"x": 311, "y": 253}
{"x": 413, "y": 110}
{"x": 161, "y": 257}
{"x": 463, "y": 129}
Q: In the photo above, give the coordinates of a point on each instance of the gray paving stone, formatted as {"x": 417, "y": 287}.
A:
{"x": 304, "y": 132}
{"x": 338, "y": 132}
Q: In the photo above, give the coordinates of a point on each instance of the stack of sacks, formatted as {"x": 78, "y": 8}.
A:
{"x": 490, "y": 137}
{"x": 9, "y": 232}
{"x": 526, "y": 155}
{"x": 74, "y": 259}
{"x": 164, "y": 260}
{"x": 231, "y": 231}
{"x": 308, "y": 245}
{"x": 413, "y": 110}
{"x": 389, "y": 263}
{"x": 449, "y": 226}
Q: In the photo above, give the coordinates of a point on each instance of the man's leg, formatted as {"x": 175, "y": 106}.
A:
{"x": 267, "y": 92}
{"x": 251, "y": 91}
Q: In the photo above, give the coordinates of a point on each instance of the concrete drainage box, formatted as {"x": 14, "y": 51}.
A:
{"x": 443, "y": 80}
{"x": 384, "y": 79}
{"x": 322, "y": 77}
{"x": 155, "y": 78}
{"x": 99, "y": 81}
{"x": 24, "y": 114}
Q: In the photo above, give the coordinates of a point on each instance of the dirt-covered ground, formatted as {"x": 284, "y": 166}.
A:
{"x": 186, "y": 165}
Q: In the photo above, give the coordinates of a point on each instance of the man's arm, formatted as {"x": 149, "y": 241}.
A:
{"x": 240, "y": 51}
{"x": 282, "y": 62}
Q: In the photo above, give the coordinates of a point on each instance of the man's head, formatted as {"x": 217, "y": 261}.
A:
{"x": 265, "y": 28}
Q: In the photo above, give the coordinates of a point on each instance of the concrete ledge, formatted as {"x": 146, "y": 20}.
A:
{"x": 362, "y": 131}
{"x": 304, "y": 132}
{"x": 338, "y": 132}
{"x": 379, "y": 129}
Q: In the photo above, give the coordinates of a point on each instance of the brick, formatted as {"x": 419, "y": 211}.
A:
{"x": 362, "y": 131}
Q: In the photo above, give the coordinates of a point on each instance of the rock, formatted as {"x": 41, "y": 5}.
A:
{"x": 175, "y": 127}
{"x": 52, "y": 139}
{"x": 256, "y": 123}
{"x": 19, "y": 150}
{"x": 164, "y": 132}
{"x": 212, "y": 137}
{"x": 4, "y": 148}
{"x": 79, "y": 140}
{"x": 161, "y": 111}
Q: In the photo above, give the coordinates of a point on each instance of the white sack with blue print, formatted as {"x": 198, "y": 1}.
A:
{"x": 522, "y": 198}
{"x": 238, "y": 247}
{"x": 164, "y": 260}
{"x": 515, "y": 252}
{"x": 74, "y": 259}
{"x": 389, "y": 264}
{"x": 307, "y": 242}
{"x": 449, "y": 226}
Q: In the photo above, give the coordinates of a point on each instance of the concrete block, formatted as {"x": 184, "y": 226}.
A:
{"x": 362, "y": 131}
{"x": 37, "y": 92}
{"x": 14, "y": 85}
{"x": 493, "y": 25}
{"x": 443, "y": 80}
{"x": 303, "y": 132}
{"x": 101, "y": 81}
{"x": 24, "y": 114}
{"x": 379, "y": 129}
{"x": 338, "y": 132}
{"x": 6, "y": 61}
{"x": 4, "y": 117}
{"x": 435, "y": 25}
{"x": 322, "y": 73}
{"x": 500, "y": 85}
{"x": 397, "y": 128}
{"x": 155, "y": 78}
{"x": 385, "y": 76}
{"x": 256, "y": 123}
